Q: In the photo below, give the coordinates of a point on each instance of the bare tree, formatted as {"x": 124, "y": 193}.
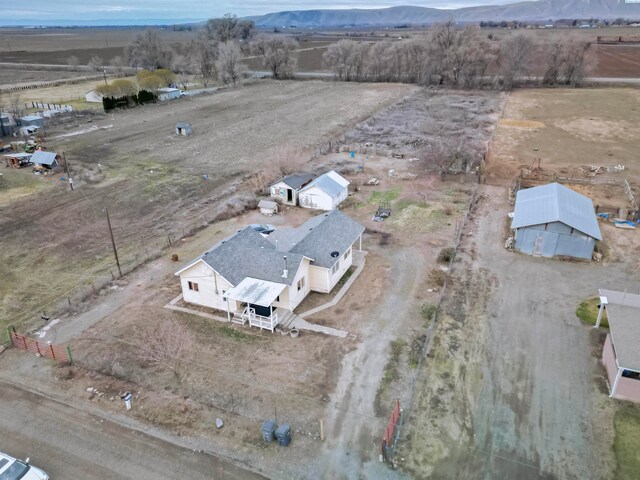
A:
{"x": 147, "y": 51}
{"x": 555, "y": 59}
{"x": 204, "y": 53}
{"x": 515, "y": 58}
{"x": 118, "y": 63}
{"x": 228, "y": 63}
{"x": 96, "y": 63}
{"x": 277, "y": 163}
{"x": 15, "y": 106}
{"x": 168, "y": 344}
{"x": 278, "y": 54}
{"x": 229, "y": 28}
{"x": 575, "y": 63}
{"x": 346, "y": 59}
{"x": 73, "y": 62}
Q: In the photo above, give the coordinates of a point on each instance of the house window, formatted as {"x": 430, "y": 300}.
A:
{"x": 346, "y": 254}
{"x": 193, "y": 286}
{"x": 335, "y": 268}
{"x": 301, "y": 284}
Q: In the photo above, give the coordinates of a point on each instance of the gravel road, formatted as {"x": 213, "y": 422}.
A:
{"x": 71, "y": 444}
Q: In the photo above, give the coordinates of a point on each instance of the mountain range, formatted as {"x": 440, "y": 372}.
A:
{"x": 538, "y": 11}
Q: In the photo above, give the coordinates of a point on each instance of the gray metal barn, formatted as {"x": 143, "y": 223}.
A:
{"x": 553, "y": 220}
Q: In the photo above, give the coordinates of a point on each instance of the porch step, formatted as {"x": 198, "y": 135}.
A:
{"x": 238, "y": 319}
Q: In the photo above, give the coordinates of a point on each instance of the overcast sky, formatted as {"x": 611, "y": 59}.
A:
{"x": 172, "y": 11}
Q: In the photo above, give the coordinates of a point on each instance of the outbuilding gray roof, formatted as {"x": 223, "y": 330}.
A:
{"x": 623, "y": 313}
{"x": 556, "y": 203}
{"x": 297, "y": 180}
{"x": 183, "y": 125}
{"x": 319, "y": 237}
{"x": 329, "y": 184}
{"x": 43, "y": 158}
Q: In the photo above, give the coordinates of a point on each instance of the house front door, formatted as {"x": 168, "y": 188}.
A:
{"x": 289, "y": 195}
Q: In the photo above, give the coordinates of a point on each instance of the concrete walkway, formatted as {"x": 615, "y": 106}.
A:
{"x": 338, "y": 296}
{"x": 299, "y": 323}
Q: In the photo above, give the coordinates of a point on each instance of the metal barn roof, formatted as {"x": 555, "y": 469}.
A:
{"x": 331, "y": 183}
{"x": 43, "y": 158}
{"x": 296, "y": 180}
{"x": 623, "y": 313}
{"x": 556, "y": 203}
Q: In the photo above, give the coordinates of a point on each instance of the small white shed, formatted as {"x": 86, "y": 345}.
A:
{"x": 267, "y": 207}
{"x": 325, "y": 193}
{"x": 183, "y": 128}
{"x": 168, "y": 94}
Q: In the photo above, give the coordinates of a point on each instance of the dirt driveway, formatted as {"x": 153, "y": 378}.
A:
{"x": 511, "y": 388}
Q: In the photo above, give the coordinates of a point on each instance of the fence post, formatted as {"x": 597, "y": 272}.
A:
{"x": 53, "y": 354}
{"x": 69, "y": 355}
{"x": 9, "y": 336}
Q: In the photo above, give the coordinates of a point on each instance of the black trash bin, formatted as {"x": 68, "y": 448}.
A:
{"x": 269, "y": 430}
{"x": 283, "y": 433}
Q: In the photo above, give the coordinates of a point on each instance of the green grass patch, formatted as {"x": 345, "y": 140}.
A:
{"x": 427, "y": 310}
{"x": 588, "y": 313}
{"x": 346, "y": 276}
{"x": 236, "y": 335}
{"x": 384, "y": 196}
{"x": 626, "y": 444}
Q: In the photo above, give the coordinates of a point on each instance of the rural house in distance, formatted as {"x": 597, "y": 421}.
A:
{"x": 621, "y": 352}
{"x": 261, "y": 280}
{"x": 553, "y": 220}
{"x": 286, "y": 190}
{"x": 325, "y": 192}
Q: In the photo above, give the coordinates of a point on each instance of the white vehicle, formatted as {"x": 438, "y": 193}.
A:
{"x": 14, "y": 469}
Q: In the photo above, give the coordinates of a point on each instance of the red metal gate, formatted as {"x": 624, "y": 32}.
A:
{"x": 43, "y": 349}
{"x": 389, "y": 439}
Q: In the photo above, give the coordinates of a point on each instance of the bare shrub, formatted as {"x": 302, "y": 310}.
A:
{"x": 515, "y": 59}
{"x": 446, "y": 254}
{"x": 438, "y": 277}
{"x": 168, "y": 344}
{"x": 96, "y": 63}
{"x": 73, "y": 62}
{"x": 235, "y": 206}
{"x": 444, "y": 153}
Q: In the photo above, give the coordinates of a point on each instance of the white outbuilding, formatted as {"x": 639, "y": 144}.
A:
{"x": 325, "y": 192}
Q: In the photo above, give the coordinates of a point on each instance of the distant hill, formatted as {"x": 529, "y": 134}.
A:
{"x": 541, "y": 11}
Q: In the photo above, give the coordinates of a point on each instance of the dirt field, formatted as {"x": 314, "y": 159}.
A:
{"x": 10, "y": 76}
{"x": 152, "y": 181}
{"x": 567, "y": 129}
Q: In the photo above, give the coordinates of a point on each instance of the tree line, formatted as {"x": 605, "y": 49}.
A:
{"x": 448, "y": 55}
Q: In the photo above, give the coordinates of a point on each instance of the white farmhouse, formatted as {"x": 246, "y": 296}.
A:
{"x": 324, "y": 193}
{"x": 262, "y": 280}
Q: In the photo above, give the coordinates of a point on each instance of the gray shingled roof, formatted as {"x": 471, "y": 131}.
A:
{"x": 555, "y": 203}
{"x": 249, "y": 254}
{"x": 318, "y": 237}
{"x": 297, "y": 180}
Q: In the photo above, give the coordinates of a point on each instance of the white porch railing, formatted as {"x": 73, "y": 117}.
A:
{"x": 249, "y": 314}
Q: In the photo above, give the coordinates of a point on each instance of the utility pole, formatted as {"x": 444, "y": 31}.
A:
{"x": 104, "y": 74}
{"x": 66, "y": 166}
{"x": 113, "y": 243}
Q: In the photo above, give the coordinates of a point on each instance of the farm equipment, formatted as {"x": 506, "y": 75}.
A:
{"x": 384, "y": 211}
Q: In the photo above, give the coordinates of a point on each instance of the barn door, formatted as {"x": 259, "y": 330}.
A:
{"x": 537, "y": 245}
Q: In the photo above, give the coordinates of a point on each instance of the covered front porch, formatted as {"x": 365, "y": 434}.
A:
{"x": 252, "y": 301}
